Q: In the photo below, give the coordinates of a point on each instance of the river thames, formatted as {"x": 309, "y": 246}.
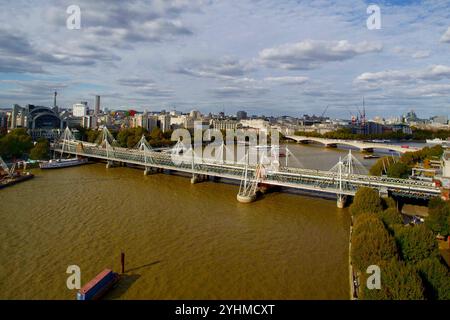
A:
{"x": 181, "y": 241}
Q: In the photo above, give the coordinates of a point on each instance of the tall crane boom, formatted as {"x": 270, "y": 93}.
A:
{"x": 5, "y": 168}
{"x": 324, "y": 111}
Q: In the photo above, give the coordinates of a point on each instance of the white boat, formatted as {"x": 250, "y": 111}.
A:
{"x": 62, "y": 163}
{"x": 437, "y": 141}
{"x": 380, "y": 141}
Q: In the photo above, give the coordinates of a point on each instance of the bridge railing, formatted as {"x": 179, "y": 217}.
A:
{"x": 284, "y": 175}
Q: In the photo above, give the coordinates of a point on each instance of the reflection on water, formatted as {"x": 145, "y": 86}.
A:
{"x": 181, "y": 241}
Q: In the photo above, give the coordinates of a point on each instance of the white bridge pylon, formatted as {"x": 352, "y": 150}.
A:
{"x": 343, "y": 171}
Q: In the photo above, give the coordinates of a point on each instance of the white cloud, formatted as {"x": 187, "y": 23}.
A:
{"x": 446, "y": 36}
{"x": 226, "y": 68}
{"x": 421, "y": 54}
{"x": 433, "y": 73}
{"x": 310, "y": 54}
{"x": 289, "y": 80}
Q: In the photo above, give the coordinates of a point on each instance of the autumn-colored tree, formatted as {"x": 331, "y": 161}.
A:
{"x": 438, "y": 219}
{"x": 41, "y": 150}
{"x": 391, "y": 217}
{"x": 436, "y": 279}
{"x": 399, "y": 281}
{"x": 371, "y": 242}
{"x": 398, "y": 170}
{"x": 416, "y": 243}
{"x": 366, "y": 200}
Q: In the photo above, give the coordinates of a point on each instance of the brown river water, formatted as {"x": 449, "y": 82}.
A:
{"x": 181, "y": 241}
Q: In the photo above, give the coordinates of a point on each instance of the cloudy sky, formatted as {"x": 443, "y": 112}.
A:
{"x": 271, "y": 57}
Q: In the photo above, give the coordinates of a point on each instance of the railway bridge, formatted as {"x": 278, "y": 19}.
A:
{"x": 342, "y": 180}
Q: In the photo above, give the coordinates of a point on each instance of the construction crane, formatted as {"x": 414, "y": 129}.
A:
{"x": 9, "y": 172}
{"x": 324, "y": 111}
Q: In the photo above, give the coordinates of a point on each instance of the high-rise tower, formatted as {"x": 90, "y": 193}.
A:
{"x": 97, "y": 106}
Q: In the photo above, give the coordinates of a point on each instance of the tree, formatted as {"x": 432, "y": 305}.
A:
{"x": 15, "y": 144}
{"x": 436, "y": 278}
{"x": 122, "y": 137}
{"x": 391, "y": 217}
{"x": 366, "y": 200}
{"x": 416, "y": 243}
{"x": 389, "y": 203}
{"x": 156, "y": 134}
{"x": 92, "y": 135}
{"x": 438, "y": 216}
{"x": 398, "y": 282}
{"x": 398, "y": 170}
{"x": 371, "y": 242}
{"x": 41, "y": 150}
{"x": 380, "y": 166}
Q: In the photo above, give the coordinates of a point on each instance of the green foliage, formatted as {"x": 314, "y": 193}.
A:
{"x": 401, "y": 169}
{"x": 366, "y": 200}
{"x": 41, "y": 150}
{"x": 128, "y": 138}
{"x": 92, "y": 135}
{"x": 398, "y": 282}
{"x": 411, "y": 158}
{"x": 156, "y": 134}
{"x": 416, "y": 243}
{"x": 15, "y": 144}
{"x": 389, "y": 203}
{"x": 436, "y": 278}
{"x": 391, "y": 217}
{"x": 371, "y": 242}
{"x": 438, "y": 216}
{"x": 380, "y": 166}
{"x": 398, "y": 170}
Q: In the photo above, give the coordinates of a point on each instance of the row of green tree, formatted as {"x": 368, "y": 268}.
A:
{"x": 18, "y": 144}
{"x": 346, "y": 133}
{"x": 408, "y": 256}
{"x": 129, "y": 137}
{"x": 401, "y": 167}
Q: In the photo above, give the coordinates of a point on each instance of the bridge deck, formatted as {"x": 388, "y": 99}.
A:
{"x": 298, "y": 178}
{"x": 353, "y": 143}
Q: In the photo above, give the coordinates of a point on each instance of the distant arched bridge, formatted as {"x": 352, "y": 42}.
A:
{"x": 362, "y": 146}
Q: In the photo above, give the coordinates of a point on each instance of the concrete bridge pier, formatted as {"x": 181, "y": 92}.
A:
{"x": 109, "y": 164}
{"x": 149, "y": 171}
{"x": 384, "y": 192}
{"x": 246, "y": 198}
{"x": 331, "y": 145}
{"x": 367, "y": 150}
{"x": 196, "y": 178}
{"x": 341, "y": 201}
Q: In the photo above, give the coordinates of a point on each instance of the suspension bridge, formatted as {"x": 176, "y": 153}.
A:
{"x": 342, "y": 180}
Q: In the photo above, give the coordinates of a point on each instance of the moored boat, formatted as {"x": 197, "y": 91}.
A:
{"x": 62, "y": 163}
{"x": 371, "y": 156}
{"x": 9, "y": 181}
{"x": 99, "y": 286}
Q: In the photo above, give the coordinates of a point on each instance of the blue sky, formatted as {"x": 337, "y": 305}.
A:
{"x": 271, "y": 57}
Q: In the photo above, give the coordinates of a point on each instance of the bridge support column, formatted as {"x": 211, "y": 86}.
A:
{"x": 341, "y": 201}
{"x": 246, "y": 198}
{"x": 384, "y": 193}
{"x": 196, "y": 178}
{"x": 109, "y": 164}
{"x": 148, "y": 171}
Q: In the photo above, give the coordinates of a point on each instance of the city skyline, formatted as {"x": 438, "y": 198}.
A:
{"x": 263, "y": 57}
